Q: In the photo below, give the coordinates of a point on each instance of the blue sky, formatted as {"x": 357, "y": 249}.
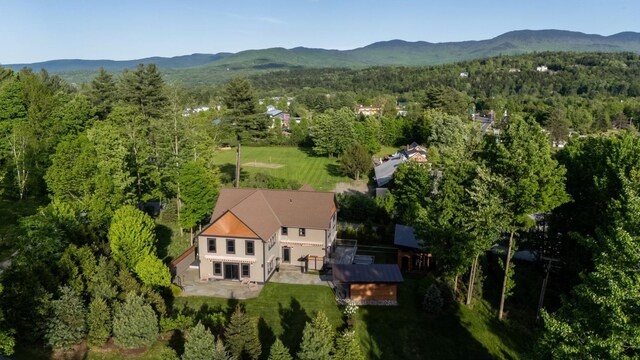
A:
{"x": 38, "y": 30}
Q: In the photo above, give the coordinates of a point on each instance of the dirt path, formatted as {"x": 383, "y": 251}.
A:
{"x": 353, "y": 186}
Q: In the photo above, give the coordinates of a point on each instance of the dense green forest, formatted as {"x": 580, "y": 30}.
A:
{"x": 90, "y": 176}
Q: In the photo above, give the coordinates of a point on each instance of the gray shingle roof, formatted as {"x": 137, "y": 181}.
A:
{"x": 374, "y": 273}
{"x": 405, "y": 236}
{"x": 384, "y": 172}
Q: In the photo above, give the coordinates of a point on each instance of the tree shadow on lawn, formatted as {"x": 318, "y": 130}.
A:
{"x": 292, "y": 320}
{"x": 334, "y": 170}
{"x": 228, "y": 173}
{"x": 406, "y": 332}
{"x": 517, "y": 331}
{"x": 309, "y": 152}
{"x": 267, "y": 337}
{"x": 164, "y": 234}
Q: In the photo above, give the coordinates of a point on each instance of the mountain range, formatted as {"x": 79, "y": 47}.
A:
{"x": 208, "y": 68}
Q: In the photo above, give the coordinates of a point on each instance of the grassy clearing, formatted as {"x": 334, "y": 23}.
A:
{"x": 298, "y": 164}
{"x": 387, "y": 150}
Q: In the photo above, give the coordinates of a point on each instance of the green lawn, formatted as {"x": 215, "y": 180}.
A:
{"x": 406, "y": 332}
{"x": 298, "y": 164}
{"x": 170, "y": 243}
{"x": 402, "y": 332}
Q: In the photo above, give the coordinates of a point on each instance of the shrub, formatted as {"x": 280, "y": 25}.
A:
{"x": 215, "y": 322}
{"x": 180, "y": 322}
{"x": 350, "y": 310}
{"x": 99, "y": 321}
{"x": 446, "y": 292}
{"x": 432, "y": 302}
{"x": 175, "y": 290}
{"x": 425, "y": 283}
{"x": 134, "y": 323}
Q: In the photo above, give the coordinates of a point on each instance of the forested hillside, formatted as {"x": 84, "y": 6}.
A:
{"x": 200, "y": 69}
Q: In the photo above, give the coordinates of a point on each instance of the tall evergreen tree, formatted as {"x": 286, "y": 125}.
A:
{"x": 242, "y": 336}
{"x": 143, "y": 89}
{"x": 220, "y": 352}
{"x": 67, "y": 325}
{"x": 135, "y": 325}
{"x": 279, "y": 351}
{"x": 99, "y": 322}
{"x": 348, "y": 347}
{"x": 317, "y": 339}
{"x": 200, "y": 344}
{"x": 102, "y": 93}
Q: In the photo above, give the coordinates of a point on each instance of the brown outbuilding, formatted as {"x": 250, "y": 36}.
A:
{"x": 373, "y": 284}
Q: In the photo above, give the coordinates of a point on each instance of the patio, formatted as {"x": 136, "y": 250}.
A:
{"x": 192, "y": 286}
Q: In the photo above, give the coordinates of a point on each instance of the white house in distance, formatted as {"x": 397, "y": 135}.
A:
{"x": 253, "y": 231}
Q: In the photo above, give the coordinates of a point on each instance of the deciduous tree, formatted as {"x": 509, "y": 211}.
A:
{"x": 131, "y": 236}
{"x": 534, "y": 182}
{"x": 355, "y": 161}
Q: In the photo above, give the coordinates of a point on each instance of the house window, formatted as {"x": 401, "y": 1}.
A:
{"x": 231, "y": 246}
{"x": 212, "y": 244}
{"x": 249, "y": 249}
{"x": 302, "y": 232}
{"x": 217, "y": 268}
{"x": 246, "y": 270}
{"x": 285, "y": 230}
